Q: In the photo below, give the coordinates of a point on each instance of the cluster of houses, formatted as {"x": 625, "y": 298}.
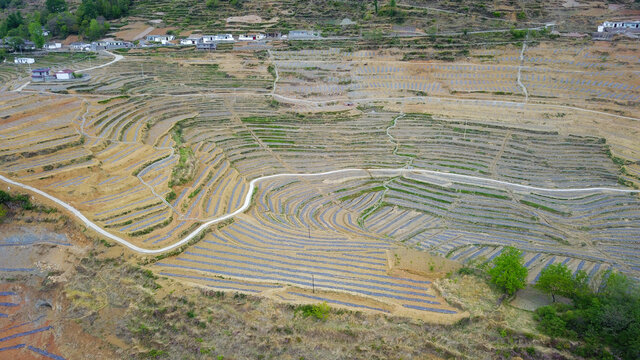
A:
{"x": 203, "y": 42}
{"x": 104, "y": 44}
{"x": 229, "y": 38}
{"x": 608, "y": 29}
{"x": 45, "y": 74}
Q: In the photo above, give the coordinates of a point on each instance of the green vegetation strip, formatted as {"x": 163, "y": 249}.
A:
{"x": 545, "y": 208}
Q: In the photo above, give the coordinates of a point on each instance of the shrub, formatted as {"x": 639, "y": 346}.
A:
{"x": 271, "y": 69}
{"x": 318, "y": 311}
{"x": 154, "y": 353}
{"x": 518, "y": 34}
{"x": 549, "y": 321}
{"x": 4, "y": 197}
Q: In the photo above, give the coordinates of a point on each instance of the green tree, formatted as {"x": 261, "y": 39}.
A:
{"x": 35, "y": 33}
{"x": 14, "y": 20}
{"x": 508, "y": 273}
{"x": 56, "y": 6}
{"x": 14, "y": 42}
{"x": 556, "y": 280}
{"x": 94, "y": 31}
{"x": 375, "y": 3}
{"x": 5, "y": 197}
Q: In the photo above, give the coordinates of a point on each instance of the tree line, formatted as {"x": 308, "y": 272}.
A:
{"x": 89, "y": 20}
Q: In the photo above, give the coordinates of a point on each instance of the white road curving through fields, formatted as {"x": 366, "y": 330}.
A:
{"x": 116, "y": 58}
{"x": 252, "y": 185}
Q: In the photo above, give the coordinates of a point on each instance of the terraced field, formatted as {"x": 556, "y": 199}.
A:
{"x": 572, "y": 74}
{"x": 309, "y": 199}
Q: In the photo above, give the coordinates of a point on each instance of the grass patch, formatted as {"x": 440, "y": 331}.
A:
{"x": 543, "y": 207}
{"x": 105, "y": 101}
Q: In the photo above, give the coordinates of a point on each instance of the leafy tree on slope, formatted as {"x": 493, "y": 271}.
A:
{"x": 508, "y": 273}
{"x": 556, "y": 280}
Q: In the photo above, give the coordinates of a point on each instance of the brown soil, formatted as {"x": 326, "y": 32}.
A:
{"x": 248, "y": 19}
{"x": 134, "y": 31}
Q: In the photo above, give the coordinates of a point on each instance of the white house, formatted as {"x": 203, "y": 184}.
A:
{"x": 24, "y": 60}
{"x": 225, "y": 37}
{"x": 65, "y": 74}
{"x": 208, "y": 38}
{"x": 52, "y": 46}
{"x": 217, "y": 38}
{"x": 110, "y": 44}
{"x": 251, "y": 37}
{"x": 191, "y": 40}
{"x": 619, "y": 26}
{"x": 163, "y": 39}
{"x": 80, "y": 46}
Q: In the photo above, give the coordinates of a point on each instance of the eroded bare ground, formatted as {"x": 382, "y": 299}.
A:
{"x": 88, "y": 300}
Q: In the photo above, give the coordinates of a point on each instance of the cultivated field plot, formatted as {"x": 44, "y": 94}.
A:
{"x": 575, "y": 75}
{"x": 310, "y": 206}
